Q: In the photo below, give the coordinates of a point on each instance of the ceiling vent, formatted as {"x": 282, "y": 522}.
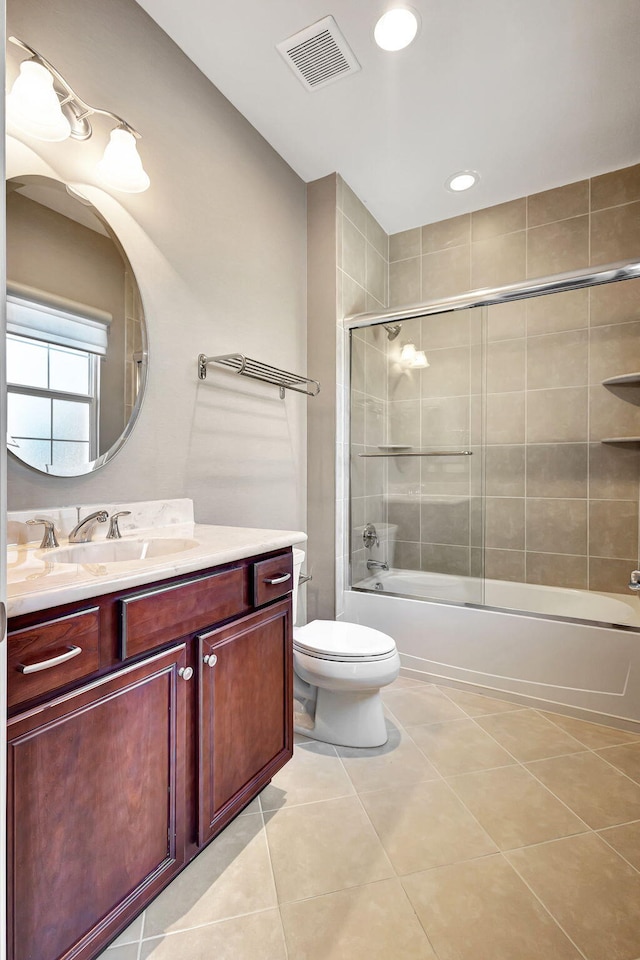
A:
{"x": 319, "y": 54}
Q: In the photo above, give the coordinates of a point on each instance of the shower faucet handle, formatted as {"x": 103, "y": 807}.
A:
{"x": 634, "y": 581}
{"x": 370, "y": 536}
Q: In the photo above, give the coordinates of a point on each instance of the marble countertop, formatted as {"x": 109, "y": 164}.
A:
{"x": 36, "y": 582}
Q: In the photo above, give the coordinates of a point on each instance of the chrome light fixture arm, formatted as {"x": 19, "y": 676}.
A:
{"x": 77, "y": 110}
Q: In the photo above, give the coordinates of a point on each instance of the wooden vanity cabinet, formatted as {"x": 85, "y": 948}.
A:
{"x": 117, "y": 779}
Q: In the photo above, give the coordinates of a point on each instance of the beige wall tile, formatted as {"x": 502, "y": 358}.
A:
{"x": 611, "y": 189}
{"x": 505, "y": 470}
{"x": 505, "y": 417}
{"x": 609, "y": 415}
{"x": 598, "y": 794}
{"x": 446, "y": 233}
{"x": 505, "y": 366}
{"x": 504, "y": 522}
{"x": 405, "y": 244}
{"x": 374, "y": 922}
{"x": 613, "y": 528}
{"x": 403, "y": 426}
{"x": 557, "y": 470}
{"x": 455, "y": 834}
{"x": 444, "y": 475}
{"x": 354, "y": 297}
{"x": 445, "y": 522}
{"x": 352, "y": 206}
{"x": 445, "y": 421}
{"x": 557, "y": 360}
{"x": 556, "y": 416}
{"x": 447, "y": 374}
{"x": 558, "y": 247}
{"x": 610, "y": 576}
{"x": 514, "y": 808}
{"x": 615, "y": 234}
{"x": 447, "y": 330}
{"x": 377, "y": 274}
{"x": 498, "y": 220}
{"x": 592, "y": 892}
{"x": 504, "y": 565}
{"x": 562, "y": 311}
{"x": 615, "y": 302}
{"x": 506, "y": 321}
{"x": 508, "y": 920}
{"x": 560, "y": 203}
{"x": 374, "y": 478}
{"x": 614, "y": 472}
{"x": 404, "y": 282}
{"x": 445, "y": 272}
{"x": 377, "y": 237}
{"x": 354, "y": 252}
{"x": 498, "y": 261}
{"x": 445, "y": 558}
{"x": 557, "y": 526}
{"x": 614, "y": 350}
{"x": 406, "y": 516}
{"x": 557, "y": 570}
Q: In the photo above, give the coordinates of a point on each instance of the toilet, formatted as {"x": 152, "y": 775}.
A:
{"x": 339, "y": 669}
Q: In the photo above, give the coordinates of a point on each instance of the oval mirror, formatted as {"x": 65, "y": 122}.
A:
{"x": 76, "y": 336}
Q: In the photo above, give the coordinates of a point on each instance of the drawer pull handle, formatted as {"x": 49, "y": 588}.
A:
{"x": 185, "y": 672}
{"x": 210, "y": 659}
{"x": 69, "y": 654}
{"x": 281, "y": 578}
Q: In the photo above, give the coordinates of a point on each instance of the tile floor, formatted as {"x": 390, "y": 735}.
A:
{"x": 482, "y": 831}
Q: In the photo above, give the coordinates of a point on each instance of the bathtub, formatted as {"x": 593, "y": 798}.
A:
{"x": 529, "y": 648}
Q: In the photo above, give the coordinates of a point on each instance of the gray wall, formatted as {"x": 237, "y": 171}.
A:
{"x": 218, "y": 247}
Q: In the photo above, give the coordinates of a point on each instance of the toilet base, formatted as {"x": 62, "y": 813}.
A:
{"x": 355, "y": 719}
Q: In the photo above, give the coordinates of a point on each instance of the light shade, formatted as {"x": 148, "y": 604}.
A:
{"x": 420, "y": 359}
{"x": 33, "y": 106}
{"x": 121, "y": 166}
{"x": 463, "y": 180}
{"x": 396, "y": 29}
{"x": 408, "y": 353}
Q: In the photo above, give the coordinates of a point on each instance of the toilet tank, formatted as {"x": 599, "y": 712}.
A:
{"x": 298, "y": 560}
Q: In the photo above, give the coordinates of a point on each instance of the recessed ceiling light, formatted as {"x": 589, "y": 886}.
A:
{"x": 463, "y": 180}
{"x": 396, "y": 28}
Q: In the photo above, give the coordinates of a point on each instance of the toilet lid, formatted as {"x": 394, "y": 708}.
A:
{"x": 337, "y": 640}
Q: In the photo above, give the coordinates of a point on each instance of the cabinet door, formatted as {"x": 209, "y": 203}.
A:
{"x": 246, "y": 712}
{"x": 96, "y": 808}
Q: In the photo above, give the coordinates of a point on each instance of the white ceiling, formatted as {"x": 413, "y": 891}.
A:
{"x": 531, "y": 93}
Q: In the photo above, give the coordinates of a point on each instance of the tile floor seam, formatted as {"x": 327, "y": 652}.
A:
{"x": 545, "y": 908}
{"x": 208, "y": 923}
{"x": 610, "y": 764}
{"x": 518, "y": 708}
{"x": 415, "y": 913}
{"x": 605, "y": 726}
{"x": 139, "y": 954}
{"x": 611, "y": 847}
{"x": 273, "y": 873}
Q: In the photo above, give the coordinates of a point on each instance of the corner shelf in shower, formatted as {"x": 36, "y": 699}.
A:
{"x": 627, "y": 440}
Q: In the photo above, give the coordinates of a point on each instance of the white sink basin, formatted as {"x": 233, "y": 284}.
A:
{"x": 118, "y": 551}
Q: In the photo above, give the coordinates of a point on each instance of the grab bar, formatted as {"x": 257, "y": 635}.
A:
{"x": 434, "y": 453}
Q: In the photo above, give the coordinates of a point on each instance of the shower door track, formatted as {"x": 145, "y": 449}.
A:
{"x": 558, "y": 283}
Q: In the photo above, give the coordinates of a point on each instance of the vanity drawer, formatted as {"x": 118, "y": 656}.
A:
{"x": 52, "y": 654}
{"x": 163, "y": 614}
{"x": 272, "y": 579}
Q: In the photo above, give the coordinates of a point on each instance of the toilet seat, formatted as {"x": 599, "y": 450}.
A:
{"x": 337, "y": 640}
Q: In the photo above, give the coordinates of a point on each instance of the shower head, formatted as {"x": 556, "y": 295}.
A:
{"x": 393, "y": 329}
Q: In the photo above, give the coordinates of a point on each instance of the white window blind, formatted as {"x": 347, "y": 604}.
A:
{"x": 40, "y": 316}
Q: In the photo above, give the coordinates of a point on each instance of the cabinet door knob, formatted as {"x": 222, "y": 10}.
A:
{"x": 281, "y": 578}
{"x": 185, "y": 672}
{"x": 210, "y": 659}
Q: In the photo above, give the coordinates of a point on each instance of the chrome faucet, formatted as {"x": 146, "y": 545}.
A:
{"x": 81, "y": 533}
{"x": 114, "y": 529}
{"x": 634, "y": 580}
{"x": 49, "y": 537}
{"x": 377, "y": 565}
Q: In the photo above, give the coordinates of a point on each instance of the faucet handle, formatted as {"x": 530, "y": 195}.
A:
{"x": 634, "y": 580}
{"x": 114, "y": 530}
{"x": 49, "y": 538}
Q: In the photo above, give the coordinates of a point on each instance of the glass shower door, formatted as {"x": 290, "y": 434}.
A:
{"x": 417, "y": 457}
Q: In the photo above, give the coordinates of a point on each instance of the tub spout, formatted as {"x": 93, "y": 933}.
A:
{"x": 383, "y": 565}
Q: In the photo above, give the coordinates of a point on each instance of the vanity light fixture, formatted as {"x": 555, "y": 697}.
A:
{"x": 43, "y": 105}
{"x": 396, "y": 28}
{"x": 463, "y": 180}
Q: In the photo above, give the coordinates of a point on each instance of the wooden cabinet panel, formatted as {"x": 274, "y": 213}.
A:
{"x": 272, "y": 579}
{"x": 52, "y": 654}
{"x": 96, "y": 796}
{"x": 246, "y": 711}
{"x": 162, "y": 614}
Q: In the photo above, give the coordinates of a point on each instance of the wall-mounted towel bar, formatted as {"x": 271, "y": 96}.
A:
{"x": 432, "y": 453}
{"x": 247, "y": 367}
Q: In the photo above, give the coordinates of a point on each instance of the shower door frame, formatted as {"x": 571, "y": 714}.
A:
{"x": 524, "y": 290}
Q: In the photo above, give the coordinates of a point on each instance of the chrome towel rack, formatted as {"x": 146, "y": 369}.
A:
{"x": 432, "y": 453}
{"x": 247, "y": 367}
